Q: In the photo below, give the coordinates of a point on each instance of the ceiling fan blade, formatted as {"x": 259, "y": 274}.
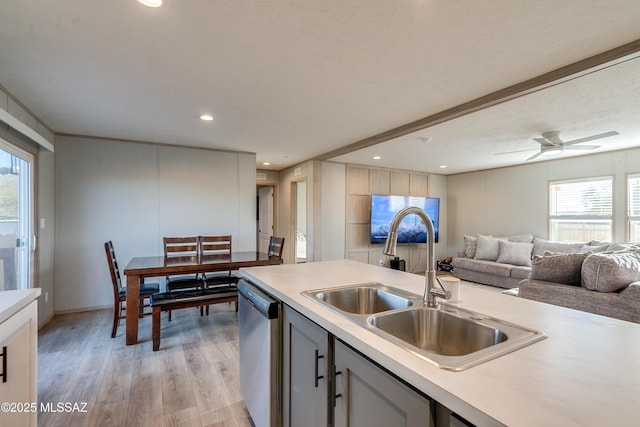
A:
{"x": 582, "y": 147}
{"x": 534, "y": 156}
{"x": 512, "y": 152}
{"x": 544, "y": 141}
{"x": 591, "y": 138}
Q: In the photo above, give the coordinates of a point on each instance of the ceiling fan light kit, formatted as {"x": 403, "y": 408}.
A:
{"x": 550, "y": 143}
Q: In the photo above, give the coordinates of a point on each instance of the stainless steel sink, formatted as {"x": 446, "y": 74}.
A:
{"x": 438, "y": 332}
{"x": 367, "y": 298}
{"x": 448, "y": 336}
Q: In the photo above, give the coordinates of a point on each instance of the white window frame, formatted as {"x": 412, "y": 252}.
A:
{"x": 633, "y": 218}
{"x": 555, "y": 219}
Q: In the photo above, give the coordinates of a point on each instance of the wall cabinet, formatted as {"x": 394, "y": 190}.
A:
{"x": 18, "y": 381}
{"x": 325, "y": 383}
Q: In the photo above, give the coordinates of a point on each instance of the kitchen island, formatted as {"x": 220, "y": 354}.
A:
{"x": 585, "y": 373}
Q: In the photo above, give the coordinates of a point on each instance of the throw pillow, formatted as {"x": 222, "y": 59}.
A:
{"x": 542, "y": 245}
{"x": 515, "y": 253}
{"x": 487, "y": 248}
{"x": 611, "y": 272}
{"x": 558, "y": 268}
{"x": 470, "y": 245}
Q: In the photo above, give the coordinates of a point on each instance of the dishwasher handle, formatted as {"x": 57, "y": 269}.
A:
{"x": 264, "y": 303}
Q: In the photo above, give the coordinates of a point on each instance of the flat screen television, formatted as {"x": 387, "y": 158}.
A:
{"x": 411, "y": 229}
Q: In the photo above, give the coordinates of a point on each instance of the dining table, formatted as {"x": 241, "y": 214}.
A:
{"x": 140, "y": 268}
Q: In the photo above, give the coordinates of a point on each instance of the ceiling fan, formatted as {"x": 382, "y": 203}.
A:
{"x": 550, "y": 143}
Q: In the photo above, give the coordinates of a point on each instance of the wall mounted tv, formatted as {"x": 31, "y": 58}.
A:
{"x": 412, "y": 229}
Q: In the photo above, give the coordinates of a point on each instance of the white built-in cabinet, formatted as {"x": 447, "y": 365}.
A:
{"x": 18, "y": 380}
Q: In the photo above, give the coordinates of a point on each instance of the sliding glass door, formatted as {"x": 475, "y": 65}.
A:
{"x": 16, "y": 218}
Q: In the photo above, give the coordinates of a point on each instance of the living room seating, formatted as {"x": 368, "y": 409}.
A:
{"x": 596, "y": 277}
{"x": 605, "y": 283}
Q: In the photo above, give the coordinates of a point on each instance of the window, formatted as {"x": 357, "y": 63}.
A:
{"x": 580, "y": 211}
{"x": 16, "y": 218}
{"x": 633, "y": 207}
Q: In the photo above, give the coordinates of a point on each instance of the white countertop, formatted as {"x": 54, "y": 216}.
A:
{"x": 13, "y": 301}
{"x": 585, "y": 373}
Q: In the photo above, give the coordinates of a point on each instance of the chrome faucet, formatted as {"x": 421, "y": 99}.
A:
{"x": 430, "y": 292}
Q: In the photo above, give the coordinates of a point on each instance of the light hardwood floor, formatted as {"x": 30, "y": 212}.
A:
{"x": 193, "y": 380}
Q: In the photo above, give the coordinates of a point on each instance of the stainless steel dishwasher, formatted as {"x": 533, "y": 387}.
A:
{"x": 259, "y": 316}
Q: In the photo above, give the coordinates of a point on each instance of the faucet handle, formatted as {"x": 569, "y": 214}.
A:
{"x": 440, "y": 293}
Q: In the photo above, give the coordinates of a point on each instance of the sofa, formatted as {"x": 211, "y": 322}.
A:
{"x": 605, "y": 283}
{"x": 506, "y": 261}
{"x": 596, "y": 277}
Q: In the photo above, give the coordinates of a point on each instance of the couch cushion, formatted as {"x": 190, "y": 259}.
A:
{"x": 487, "y": 248}
{"x": 520, "y": 272}
{"x": 514, "y": 253}
{"x": 610, "y": 272}
{"x": 470, "y": 245}
{"x": 483, "y": 266}
{"x": 520, "y": 238}
{"x": 542, "y": 245}
{"x": 559, "y": 268}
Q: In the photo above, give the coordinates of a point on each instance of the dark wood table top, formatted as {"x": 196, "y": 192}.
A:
{"x": 160, "y": 265}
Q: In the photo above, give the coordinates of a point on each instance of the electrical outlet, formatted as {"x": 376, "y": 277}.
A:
{"x": 381, "y": 262}
{"x": 46, "y": 297}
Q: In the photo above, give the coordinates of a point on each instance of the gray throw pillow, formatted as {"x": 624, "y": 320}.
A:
{"x": 515, "y": 253}
{"x": 611, "y": 272}
{"x": 470, "y": 245}
{"x": 558, "y": 268}
{"x": 542, "y": 245}
{"x": 487, "y": 248}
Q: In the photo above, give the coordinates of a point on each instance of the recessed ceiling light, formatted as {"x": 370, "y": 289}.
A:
{"x": 151, "y": 3}
{"x": 443, "y": 166}
{"x": 206, "y": 117}
{"x": 266, "y": 163}
{"x": 377, "y": 157}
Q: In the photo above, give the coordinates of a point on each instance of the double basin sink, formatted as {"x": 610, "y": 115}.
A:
{"x": 448, "y": 336}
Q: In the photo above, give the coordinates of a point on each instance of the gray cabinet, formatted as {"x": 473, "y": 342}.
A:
{"x": 365, "y": 395}
{"x": 305, "y": 359}
{"x": 327, "y": 383}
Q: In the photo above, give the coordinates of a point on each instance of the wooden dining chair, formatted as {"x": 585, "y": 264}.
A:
{"x": 182, "y": 247}
{"x": 217, "y": 247}
{"x": 276, "y": 246}
{"x": 120, "y": 292}
{"x": 175, "y": 247}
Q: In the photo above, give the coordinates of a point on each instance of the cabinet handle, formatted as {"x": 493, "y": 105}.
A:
{"x": 334, "y": 374}
{"x": 4, "y": 364}
{"x": 316, "y": 376}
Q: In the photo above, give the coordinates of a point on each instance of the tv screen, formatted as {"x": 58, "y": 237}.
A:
{"x": 411, "y": 229}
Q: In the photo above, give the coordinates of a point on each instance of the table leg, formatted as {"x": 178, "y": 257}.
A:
{"x": 133, "y": 299}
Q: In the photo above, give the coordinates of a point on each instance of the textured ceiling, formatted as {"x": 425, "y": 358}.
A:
{"x": 293, "y": 80}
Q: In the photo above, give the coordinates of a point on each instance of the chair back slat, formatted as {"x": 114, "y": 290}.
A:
{"x": 180, "y": 246}
{"x": 276, "y": 246}
{"x": 113, "y": 268}
{"x": 215, "y": 245}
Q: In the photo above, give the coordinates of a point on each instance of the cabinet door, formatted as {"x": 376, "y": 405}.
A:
{"x": 18, "y": 341}
{"x": 305, "y": 361}
{"x": 368, "y": 396}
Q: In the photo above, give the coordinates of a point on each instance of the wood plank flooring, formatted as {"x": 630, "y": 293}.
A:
{"x": 193, "y": 380}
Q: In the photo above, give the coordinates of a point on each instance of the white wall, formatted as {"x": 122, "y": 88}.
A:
{"x": 514, "y": 200}
{"x": 46, "y": 236}
{"x": 134, "y": 194}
